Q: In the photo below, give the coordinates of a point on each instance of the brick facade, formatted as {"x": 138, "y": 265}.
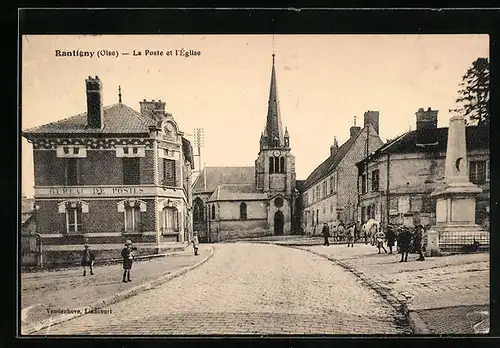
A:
{"x": 106, "y": 190}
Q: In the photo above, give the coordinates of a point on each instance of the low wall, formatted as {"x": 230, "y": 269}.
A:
{"x": 72, "y": 239}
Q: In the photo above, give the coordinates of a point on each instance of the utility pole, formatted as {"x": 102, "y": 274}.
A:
{"x": 199, "y": 140}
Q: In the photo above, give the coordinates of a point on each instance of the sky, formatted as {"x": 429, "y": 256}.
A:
{"x": 323, "y": 82}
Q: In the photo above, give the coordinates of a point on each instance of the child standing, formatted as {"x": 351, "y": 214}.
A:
{"x": 195, "y": 242}
{"x": 128, "y": 257}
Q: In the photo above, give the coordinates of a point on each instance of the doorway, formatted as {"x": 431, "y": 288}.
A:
{"x": 279, "y": 221}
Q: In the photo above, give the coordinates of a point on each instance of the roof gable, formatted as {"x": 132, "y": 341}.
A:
{"x": 330, "y": 163}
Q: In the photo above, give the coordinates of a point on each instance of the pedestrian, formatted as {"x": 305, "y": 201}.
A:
{"x": 417, "y": 241}
{"x": 350, "y": 235}
{"x": 357, "y": 229}
{"x": 87, "y": 260}
{"x": 404, "y": 243}
{"x": 341, "y": 230}
{"x": 365, "y": 232}
{"x": 326, "y": 234}
{"x": 380, "y": 237}
{"x": 128, "y": 257}
{"x": 391, "y": 237}
{"x": 195, "y": 243}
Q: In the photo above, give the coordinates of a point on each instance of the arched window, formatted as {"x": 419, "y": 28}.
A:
{"x": 276, "y": 164}
{"x": 213, "y": 212}
{"x": 282, "y": 164}
{"x": 271, "y": 164}
{"x": 243, "y": 211}
{"x": 198, "y": 211}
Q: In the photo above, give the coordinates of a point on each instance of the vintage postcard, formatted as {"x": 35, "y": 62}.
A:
{"x": 254, "y": 185}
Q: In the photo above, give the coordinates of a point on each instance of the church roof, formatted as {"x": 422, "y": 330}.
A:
{"x": 118, "y": 119}
{"x": 237, "y": 192}
{"x": 215, "y": 176}
{"x": 476, "y": 137}
{"x": 330, "y": 163}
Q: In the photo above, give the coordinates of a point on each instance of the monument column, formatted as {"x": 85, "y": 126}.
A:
{"x": 456, "y": 198}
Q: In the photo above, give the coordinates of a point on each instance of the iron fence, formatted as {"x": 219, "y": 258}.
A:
{"x": 460, "y": 243}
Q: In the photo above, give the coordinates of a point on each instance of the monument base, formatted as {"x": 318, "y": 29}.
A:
{"x": 462, "y": 237}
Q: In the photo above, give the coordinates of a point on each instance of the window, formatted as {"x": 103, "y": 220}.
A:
{"x": 331, "y": 208}
{"x": 331, "y": 184}
{"x": 282, "y": 164}
{"x": 170, "y": 220}
{"x": 131, "y": 171}
{"x": 132, "y": 219}
{"x": 276, "y": 164}
{"x": 243, "y": 211}
{"x": 213, "y": 212}
{"x": 271, "y": 164}
{"x": 375, "y": 180}
{"x": 74, "y": 219}
{"x": 198, "y": 212}
{"x": 428, "y": 204}
{"x": 324, "y": 189}
{"x": 72, "y": 171}
{"x": 477, "y": 172}
{"x": 169, "y": 178}
{"x": 363, "y": 183}
{"x": 415, "y": 204}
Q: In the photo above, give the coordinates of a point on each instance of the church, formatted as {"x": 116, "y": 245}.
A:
{"x": 240, "y": 202}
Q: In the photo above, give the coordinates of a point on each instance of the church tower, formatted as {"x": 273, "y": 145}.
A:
{"x": 275, "y": 165}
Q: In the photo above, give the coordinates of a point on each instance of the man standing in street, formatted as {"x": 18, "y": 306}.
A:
{"x": 404, "y": 242}
{"x": 326, "y": 234}
{"x": 87, "y": 260}
{"x": 417, "y": 241}
{"x": 391, "y": 237}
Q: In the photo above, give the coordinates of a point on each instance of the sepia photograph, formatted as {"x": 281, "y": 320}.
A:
{"x": 265, "y": 184}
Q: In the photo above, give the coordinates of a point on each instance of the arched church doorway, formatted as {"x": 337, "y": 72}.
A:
{"x": 279, "y": 221}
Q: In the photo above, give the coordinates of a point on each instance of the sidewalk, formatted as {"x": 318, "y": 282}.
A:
{"x": 441, "y": 295}
{"x": 69, "y": 290}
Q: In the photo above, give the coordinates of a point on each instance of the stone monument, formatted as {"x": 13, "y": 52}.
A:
{"x": 456, "y": 197}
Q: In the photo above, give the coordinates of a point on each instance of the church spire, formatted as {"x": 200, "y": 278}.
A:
{"x": 273, "y": 124}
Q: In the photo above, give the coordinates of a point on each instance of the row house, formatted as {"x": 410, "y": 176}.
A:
{"x": 396, "y": 180}
{"x": 112, "y": 174}
{"x": 330, "y": 192}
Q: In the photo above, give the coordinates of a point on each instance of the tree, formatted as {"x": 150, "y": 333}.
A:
{"x": 474, "y": 94}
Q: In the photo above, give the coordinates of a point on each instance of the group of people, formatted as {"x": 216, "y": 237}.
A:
{"x": 406, "y": 239}
{"x": 127, "y": 254}
{"x": 343, "y": 233}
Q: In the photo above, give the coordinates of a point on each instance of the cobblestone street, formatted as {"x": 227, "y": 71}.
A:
{"x": 249, "y": 289}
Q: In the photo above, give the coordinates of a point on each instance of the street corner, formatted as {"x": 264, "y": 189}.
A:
{"x": 456, "y": 320}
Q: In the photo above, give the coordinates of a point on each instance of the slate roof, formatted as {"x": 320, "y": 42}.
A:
{"x": 476, "y": 137}
{"x": 237, "y": 192}
{"x": 330, "y": 163}
{"x": 118, "y": 119}
{"x": 216, "y": 176}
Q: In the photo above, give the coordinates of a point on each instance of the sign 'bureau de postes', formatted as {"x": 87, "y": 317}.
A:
{"x": 108, "y": 191}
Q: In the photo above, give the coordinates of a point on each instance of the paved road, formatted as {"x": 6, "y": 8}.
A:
{"x": 249, "y": 289}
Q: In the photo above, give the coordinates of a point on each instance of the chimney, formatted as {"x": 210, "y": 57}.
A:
{"x": 153, "y": 109}
{"x": 426, "y": 124}
{"x": 372, "y": 117}
{"x": 334, "y": 148}
{"x": 95, "y": 113}
{"x": 426, "y": 119}
{"x": 354, "y": 130}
